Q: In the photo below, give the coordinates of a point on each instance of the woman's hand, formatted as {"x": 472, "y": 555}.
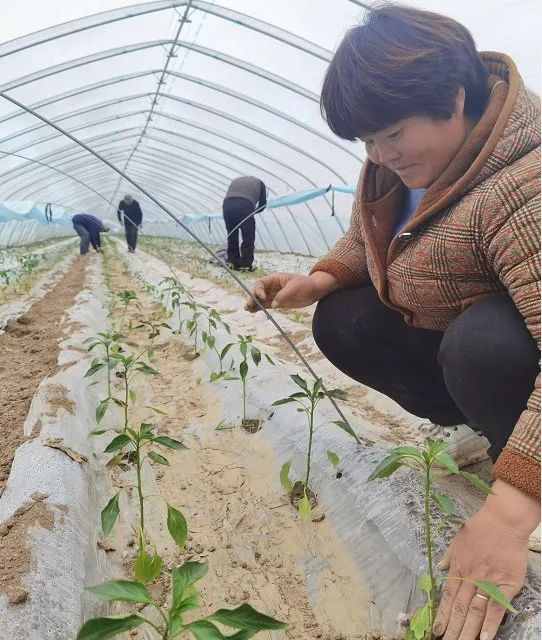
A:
{"x": 492, "y": 545}
{"x": 291, "y": 290}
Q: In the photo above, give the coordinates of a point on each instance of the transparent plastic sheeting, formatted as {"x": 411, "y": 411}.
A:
{"x": 185, "y": 95}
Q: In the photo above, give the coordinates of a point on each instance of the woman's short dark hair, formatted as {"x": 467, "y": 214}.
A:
{"x": 401, "y": 62}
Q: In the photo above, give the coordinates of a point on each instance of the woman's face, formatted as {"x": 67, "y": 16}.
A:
{"x": 418, "y": 149}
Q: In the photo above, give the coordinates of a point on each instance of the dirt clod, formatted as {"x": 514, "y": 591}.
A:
{"x": 17, "y": 595}
{"x": 298, "y": 491}
{"x": 251, "y": 425}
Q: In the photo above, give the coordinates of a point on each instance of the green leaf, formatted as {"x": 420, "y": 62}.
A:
{"x": 444, "y": 503}
{"x": 132, "y": 395}
{"x": 436, "y": 446}
{"x": 269, "y": 359}
{"x": 243, "y": 370}
{"x": 156, "y": 457}
{"x": 147, "y": 567}
{"x": 166, "y": 441}
{"x": 284, "y": 477}
{"x": 97, "y": 432}
{"x": 177, "y": 526}
{"x": 277, "y": 403}
{"x": 346, "y": 427}
{"x": 246, "y": 618}
{"x": 101, "y": 409}
{"x": 156, "y": 410}
{"x": 409, "y": 634}
{"x": 95, "y": 367}
{"x": 333, "y": 458}
{"x": 183, "y": 577}
{"x": 389, "y": 465}
{"x": 122, "y": 590}
{"x": 119, "y": 442}
{"x": 205, "y": 630}
{"x": 477, "y": 482}
{"x": 339, "y": 394}
{"x": 304, "y": 507}
{"x": 448, "y": 462}
{"x": 424, "y": 583}
{"x": 119, "y": 403}
{"x": 145, "y": 368}
{"x": 211, "y": 341}
{"x": 110, "y": 514}
{"x": 299, "y": 381}
{"x": 256, "y": 355}
{"x": 495, "y": 593}
{"x": 103, "y": 628}
{"x": 407, "y": 451}
{"x": 420, "y": 622}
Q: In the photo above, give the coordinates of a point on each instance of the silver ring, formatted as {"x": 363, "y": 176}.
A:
{"x": 479, "y": 595}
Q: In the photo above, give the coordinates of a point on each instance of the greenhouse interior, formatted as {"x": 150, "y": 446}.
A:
{"x": 270, "y": 319}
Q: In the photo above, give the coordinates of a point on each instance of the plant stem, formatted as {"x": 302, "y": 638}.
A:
{"x": 429, "y": 547}
{"x": 140, "y": 492}
{"x": 309, "y": 452}
{"x": 243, "y": 380}
{"x": 125, "y": 398}
{"x": 108, "y": 371}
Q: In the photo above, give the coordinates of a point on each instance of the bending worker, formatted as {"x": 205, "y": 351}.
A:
{"x": 432, "y": 297}
{"x": 245, "y": 195}
{"x": 88, "y": 228}
{"x": 129, "y": 213}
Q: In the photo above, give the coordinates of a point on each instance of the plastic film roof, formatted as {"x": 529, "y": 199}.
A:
{"x": 185, "y": 95}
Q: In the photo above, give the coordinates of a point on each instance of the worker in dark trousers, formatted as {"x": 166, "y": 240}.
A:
{"x": 245, "y": 195}
{"x": 88, "y": 228}
{"x": 48, "y": 212}
{"x": 130, "y": 214}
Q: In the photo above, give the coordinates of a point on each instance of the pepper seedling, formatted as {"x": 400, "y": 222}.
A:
{"x": 423, "y": 458}
{"x": 108, "y": 343}
{"x": 308, "y": 398}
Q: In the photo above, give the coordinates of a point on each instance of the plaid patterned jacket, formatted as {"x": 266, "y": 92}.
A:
{"x": 476, "y": 232}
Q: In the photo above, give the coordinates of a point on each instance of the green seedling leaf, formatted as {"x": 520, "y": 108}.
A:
{"x": 246, "y": 618}
{"x": 243, "y": 370}
{"x": 299, "y": 381}
{"x": 420, "y": 622}
{"x": 444, "y": 503}
{"x": 103, "y": 628}
{"x": 389, "y": 465}
{"x": 436, "y": 446}
{"x": 409, "y": 634}
{"x": 333, "y": 458}
{"x": 101, "y": 409}
{"x": 97, "y": 432}
{"x": 448, "y": 462}
{"x": 122, "y": 590}
{"x": 205, "y": 630}
{"x": 132, "y": 395}
{"x": 339, "y": 394}
{"x": 424, "y": 583}
{"x": 119, "y": 403}
{"x": 94, "y": 368}
{"x": 156, "y": 457}
{"x": 110, "y": 514}
{"x": 147, "y": 567}
{"x": 156, "y": 410}
{"x": 145, "y": 368}
{"x": 318, "y": 385}
{"x": 495, "y": 593}
{"x": 184, "y": 577}
{"x": 285, "y": 477}
{"x": 256, "y": 355}
{"x": 119, "y": 442}
{"x": 177, "y": 526}
{"x": 269, "y": 359}
{"x": 477, "y": 482}
{"x": 304, "y": 507}
{"x": 346, "y": 427}
{"x": 225, "y": 350}
{"x": 211, "y": 341}
{"x": 453, "y": 519}
{"x": 277, "y": 403}
{"x": 166, "y": 441}
{"x": 407, "y": 451}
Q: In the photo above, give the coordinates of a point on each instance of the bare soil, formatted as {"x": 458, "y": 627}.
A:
{"x": 29, "y": 349}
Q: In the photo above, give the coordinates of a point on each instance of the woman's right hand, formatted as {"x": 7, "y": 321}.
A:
{"x": 290, "y": 290}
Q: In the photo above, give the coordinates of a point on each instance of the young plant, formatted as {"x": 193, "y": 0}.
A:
{"x": 245, "y": 620}
{"x": 307, "y": 399}
{"x": 214, "y": 320}
{"x": 130, "y": 367}
{"x": 125, "y": 298}
{"x": 173, "y": 290}
{"x": 108, "y": 343}
{"x": 245, "y": 346}
{"x": 192, "y": 326}
{"x": 153, "y": 327}
{"x": 138, "y": 442}
{"x": 421, "y": 623}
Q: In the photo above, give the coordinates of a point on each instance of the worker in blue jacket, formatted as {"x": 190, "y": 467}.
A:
{"x": 88, "y": 228}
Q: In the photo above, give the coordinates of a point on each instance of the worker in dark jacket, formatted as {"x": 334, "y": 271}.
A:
{"x": 130, "y": 214}
{"x": 88, "y": 228}
{"x": 245, "y": 195}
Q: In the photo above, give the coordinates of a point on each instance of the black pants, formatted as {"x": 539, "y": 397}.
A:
{"x": 480, "y": 371}
{"x": 235, "y": 211}
{"x": 130, "y": 229}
